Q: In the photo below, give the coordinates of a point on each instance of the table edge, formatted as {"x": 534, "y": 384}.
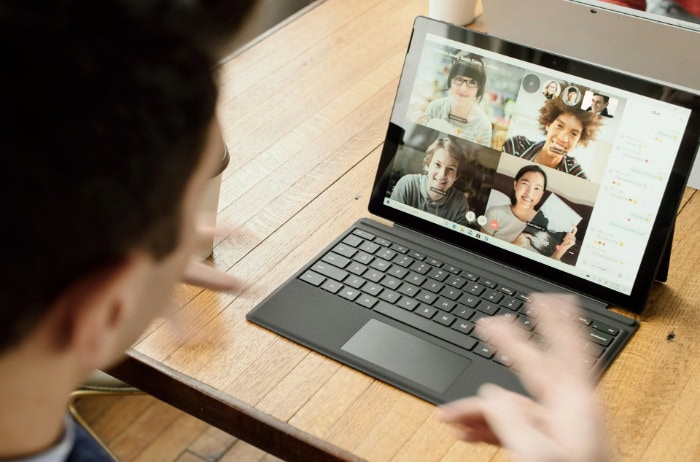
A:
{"x": 224, "y": 411}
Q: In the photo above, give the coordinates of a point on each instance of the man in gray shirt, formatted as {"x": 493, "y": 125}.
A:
{"x": 433, "y": 191}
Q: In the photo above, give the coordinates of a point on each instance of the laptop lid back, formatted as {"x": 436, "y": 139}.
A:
{"x": 640, "y": 43}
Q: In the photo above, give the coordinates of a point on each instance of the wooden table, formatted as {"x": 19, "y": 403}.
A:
{"x": 304, "y": 114}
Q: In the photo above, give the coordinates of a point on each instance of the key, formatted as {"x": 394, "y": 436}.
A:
{"x": 312, "y": 278}
{"x": 484, "y": 350}
{"x": 336, "y": 260}
{"x": 363, "y": 234}
{"x": 369, "y": 247}
{"x": 331, "y": 286}
{"x": 408, "y": 289}
{"x": 352, "y": 241}
{"x": 463, "y": 326}
{"x": 330, "y": 271}
{"x": 366, "y": 300}
{"x": 425, "y": 325}
{"x": 344, "y": 250}
{"x": 349, "y": 293}
{"x": 407, "y": 304}
{"x": 445, "y": 319}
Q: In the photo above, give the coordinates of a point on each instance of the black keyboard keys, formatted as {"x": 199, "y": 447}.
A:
{"x": 436, "y": 297}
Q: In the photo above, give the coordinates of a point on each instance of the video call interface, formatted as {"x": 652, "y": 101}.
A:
{"x": 556, "y": 168}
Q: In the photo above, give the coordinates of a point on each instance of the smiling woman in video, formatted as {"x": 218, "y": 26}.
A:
{"x": 509, "y": 222}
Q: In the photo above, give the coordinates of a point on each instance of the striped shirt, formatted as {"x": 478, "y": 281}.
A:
{"x": 522, "y": 147}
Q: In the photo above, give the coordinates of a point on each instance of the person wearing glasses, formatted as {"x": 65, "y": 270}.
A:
{"x": 459, "y": 112}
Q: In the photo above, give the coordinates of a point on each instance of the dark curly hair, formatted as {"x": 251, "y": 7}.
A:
{"x": 554, "y": 107}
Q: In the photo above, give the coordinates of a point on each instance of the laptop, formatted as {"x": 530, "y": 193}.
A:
{"x": 620, "y": 33}
{"x": 480, "y": 220}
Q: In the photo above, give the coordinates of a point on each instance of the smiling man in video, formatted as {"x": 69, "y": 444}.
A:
{"x": 433, "y": 191}
{"x": 565, "y": 128}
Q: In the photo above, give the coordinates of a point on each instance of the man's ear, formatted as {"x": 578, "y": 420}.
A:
{"x": 89, "y": 313}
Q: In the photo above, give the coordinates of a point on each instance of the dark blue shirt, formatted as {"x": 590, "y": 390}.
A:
{"x": 77, "y": 445}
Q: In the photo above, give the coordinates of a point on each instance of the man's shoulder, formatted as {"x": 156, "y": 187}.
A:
{"x": 458, "y": 197}
{"x": 520, "y": 139}
{"x": 410, "y": 179}
{"x": 499, "y": 210}
{"x": 86, "y": 448}
{"x": 408, "y": 185}
{"x": 572, "y": 167}
{"x": 517, "y": 144}
{"x": 439, "y": 107}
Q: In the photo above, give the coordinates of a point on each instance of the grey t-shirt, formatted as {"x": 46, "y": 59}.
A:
{"x": 509, "y": 226}
{"x": 412, "y": 190}
{"x": 477, "y": 129}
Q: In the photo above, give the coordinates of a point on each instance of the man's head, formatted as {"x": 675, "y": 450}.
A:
{"x": 443, "y": 163}
{"x": 599, "y": 103}
{"x": 566, "y": 127}
{"x": 108, "y": 136}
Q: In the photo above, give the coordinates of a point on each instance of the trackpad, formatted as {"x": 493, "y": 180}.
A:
{"x": 406, "y": 355}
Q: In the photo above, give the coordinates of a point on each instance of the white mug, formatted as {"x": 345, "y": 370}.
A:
{"x": 459, "y": 12}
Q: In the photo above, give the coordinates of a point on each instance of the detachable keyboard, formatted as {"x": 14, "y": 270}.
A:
{"x": 438, "y": 298}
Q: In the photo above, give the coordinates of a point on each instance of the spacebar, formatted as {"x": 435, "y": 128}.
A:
{"x": 425, "y": 325}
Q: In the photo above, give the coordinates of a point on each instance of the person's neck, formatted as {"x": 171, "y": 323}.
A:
{"x": 523, "y": 214}
{"x": 461, "y": 108}
{"x": 548, "y": 159}
{"x": 33, "y": 401}
{"x": 435, "y": 197}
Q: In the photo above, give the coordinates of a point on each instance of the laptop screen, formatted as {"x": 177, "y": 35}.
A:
{"x": 558, "y": 168}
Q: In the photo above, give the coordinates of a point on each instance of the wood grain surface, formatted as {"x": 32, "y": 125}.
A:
{"x": 304, "y": 113}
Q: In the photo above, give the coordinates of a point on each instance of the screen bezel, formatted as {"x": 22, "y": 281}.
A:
{"x": 665, "y": 219}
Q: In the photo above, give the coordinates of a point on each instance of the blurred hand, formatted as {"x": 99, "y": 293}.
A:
{"x": 203, "y": 275}
{"x": 568, "y": 241}
{"x": 562, "y": 422}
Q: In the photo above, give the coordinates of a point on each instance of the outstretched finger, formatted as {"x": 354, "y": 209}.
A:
{"x": 202, "y": 275}
{"x": 560, "y": 315}
{"x": 205, "y": 230}
{"x": 515, "y": 427}
{"x": 468, "y": 415}
{"x": 527, "y": 360}
{"x": 538, "y": 370}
